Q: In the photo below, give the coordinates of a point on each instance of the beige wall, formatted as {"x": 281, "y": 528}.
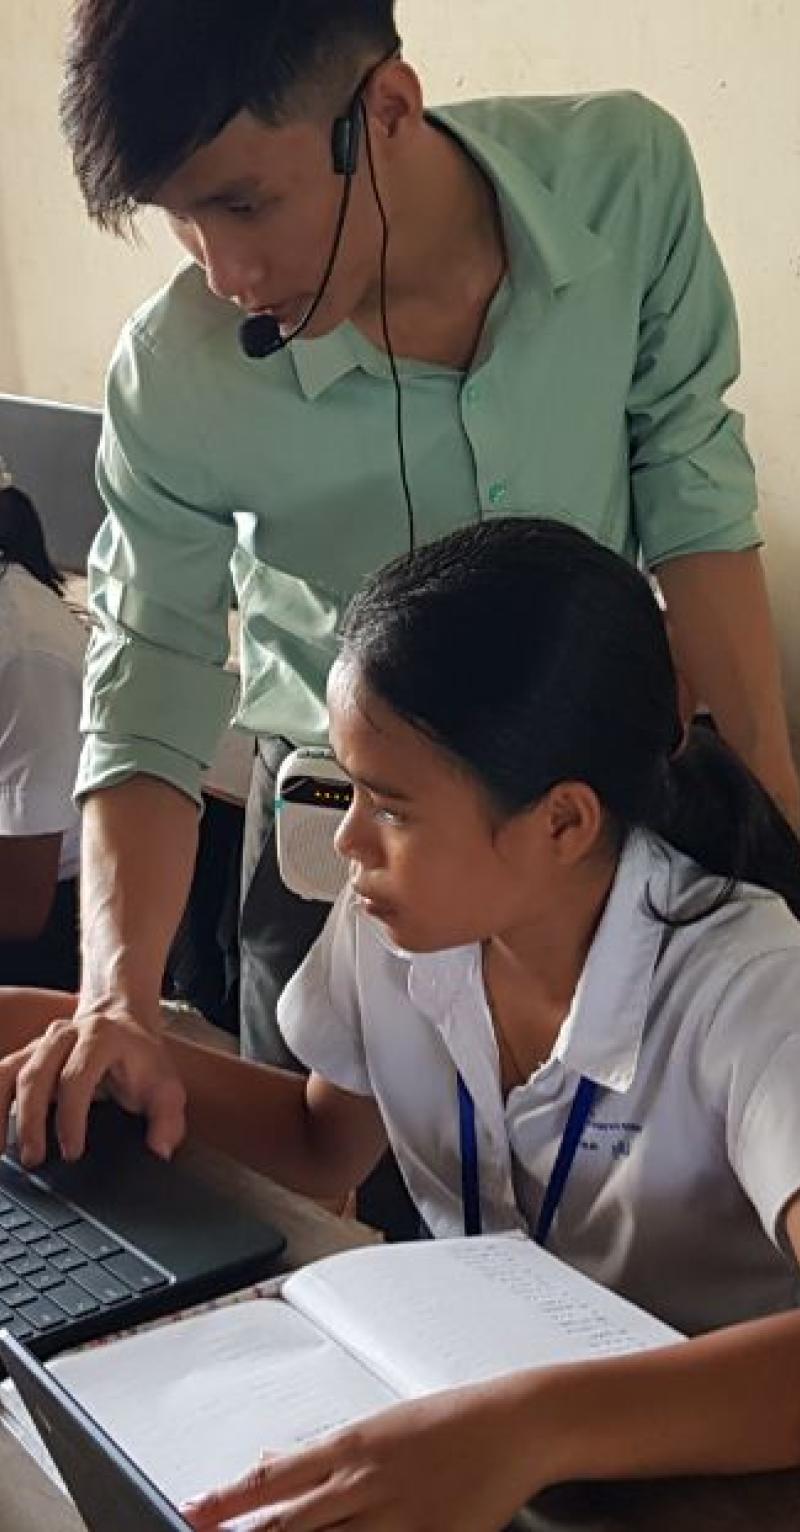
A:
{"x": 65, "y": 287}
{"x": 727, "y": 68}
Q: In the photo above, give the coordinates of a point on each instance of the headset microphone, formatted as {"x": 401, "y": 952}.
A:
{"x": 260, "y": 336}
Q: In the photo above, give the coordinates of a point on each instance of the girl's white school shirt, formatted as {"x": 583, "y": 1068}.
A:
{"x": 41, "y": 662}
{"x": 692, "y": 1149}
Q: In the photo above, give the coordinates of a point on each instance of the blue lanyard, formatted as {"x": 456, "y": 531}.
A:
{"x": 567, "y": 1149}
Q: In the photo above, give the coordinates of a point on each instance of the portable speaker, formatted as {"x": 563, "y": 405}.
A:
{"x": 312, "y": 796}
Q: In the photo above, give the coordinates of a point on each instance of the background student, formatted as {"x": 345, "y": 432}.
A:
{"x": 41, "y": 660}
{"x": 560, "y": 904}
{"x": 543, "y": 270}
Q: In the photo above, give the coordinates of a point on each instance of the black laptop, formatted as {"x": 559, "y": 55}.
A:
{"x": 117, "y": 1237}
{"x": 108, "y": 1489}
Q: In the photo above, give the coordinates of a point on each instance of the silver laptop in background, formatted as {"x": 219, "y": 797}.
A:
{"x": 50, "y": 449}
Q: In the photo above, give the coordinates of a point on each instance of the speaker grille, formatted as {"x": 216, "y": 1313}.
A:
{"x": 308, "y": 863}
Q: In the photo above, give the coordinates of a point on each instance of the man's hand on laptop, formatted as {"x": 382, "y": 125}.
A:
{"x": 78, "y": 1058}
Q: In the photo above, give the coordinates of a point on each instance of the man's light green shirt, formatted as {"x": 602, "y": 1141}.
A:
{"x": 596, "y": 395}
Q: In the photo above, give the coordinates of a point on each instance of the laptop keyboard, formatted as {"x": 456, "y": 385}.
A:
{"x": 57, "y": 1266}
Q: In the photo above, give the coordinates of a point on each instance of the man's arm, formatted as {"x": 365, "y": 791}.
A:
{"x": 138, "y": 853}
{"x": 156, "y": 698}
{"x": 139, "y": 846}
{"x": 724, "y": 645}
{"x": 693, "y": 485}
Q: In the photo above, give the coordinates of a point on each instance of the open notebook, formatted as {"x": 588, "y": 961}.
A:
{"x": 195, "y": 1402}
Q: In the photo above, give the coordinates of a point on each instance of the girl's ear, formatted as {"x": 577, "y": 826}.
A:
{"x": 573, "y": 820}
{"x": 564, "y": 827}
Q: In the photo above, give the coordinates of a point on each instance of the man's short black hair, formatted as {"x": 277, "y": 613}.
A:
{"x": 147, "y": 82}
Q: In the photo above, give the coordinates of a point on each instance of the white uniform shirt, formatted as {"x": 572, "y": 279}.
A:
{"x": 692, "y": 1148}
{"x": 41, "y": 661}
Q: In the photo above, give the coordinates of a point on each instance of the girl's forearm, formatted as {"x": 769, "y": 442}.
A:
{"x": 258, "y": 1115}
{"x": 728, "y": 1402}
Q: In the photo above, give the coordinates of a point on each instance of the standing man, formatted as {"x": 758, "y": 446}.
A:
{"x": 509, "y": 306}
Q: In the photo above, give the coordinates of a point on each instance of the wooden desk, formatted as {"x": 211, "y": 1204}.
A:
{"x": 30, "y": 1503}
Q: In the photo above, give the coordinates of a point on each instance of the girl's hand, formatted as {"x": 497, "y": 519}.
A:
{"x": 460, "y": 1461}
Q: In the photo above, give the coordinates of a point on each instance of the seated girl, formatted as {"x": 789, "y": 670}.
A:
{"x": 41, "y": 661}
{"x": 569, "y": 937}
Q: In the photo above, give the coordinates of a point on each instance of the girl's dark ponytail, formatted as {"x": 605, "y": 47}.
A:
{"x": 22, "y": 539}
{"x": 713, "y": 809}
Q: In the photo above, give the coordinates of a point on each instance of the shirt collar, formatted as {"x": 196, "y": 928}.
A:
{"x": 435, "y": 979}
{"x": 602, "y": 1034}
{"x": 547, "y": 242}
{"x": 549, "y": 248}
{"x": 321, "y": 363}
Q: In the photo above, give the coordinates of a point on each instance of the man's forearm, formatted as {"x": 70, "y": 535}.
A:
{"x": 724, "y": 645}
{"x": 139, "y": 848}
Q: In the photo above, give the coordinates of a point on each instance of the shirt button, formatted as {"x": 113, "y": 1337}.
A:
{"x": 498, "y": 492}
{"x": 472, "y": 393}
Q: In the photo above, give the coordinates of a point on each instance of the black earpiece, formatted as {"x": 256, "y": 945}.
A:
{"x": 346, "y": 139}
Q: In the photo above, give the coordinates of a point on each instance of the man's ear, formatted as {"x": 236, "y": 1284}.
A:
{"x": 393, "y": 99}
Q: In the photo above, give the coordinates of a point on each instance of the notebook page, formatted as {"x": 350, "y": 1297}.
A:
{"x": 196, "y": 1403}
{"x": 444, "y": 1312}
